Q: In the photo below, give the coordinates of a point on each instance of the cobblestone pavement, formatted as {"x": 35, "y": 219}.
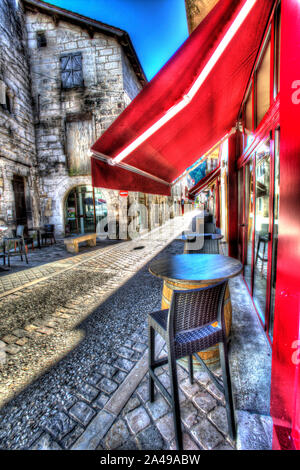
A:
{"x": 43, "y": 262}
{"x": 76, "y": 362}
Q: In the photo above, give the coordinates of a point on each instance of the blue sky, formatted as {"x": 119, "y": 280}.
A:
{"x": 156, "y": 27}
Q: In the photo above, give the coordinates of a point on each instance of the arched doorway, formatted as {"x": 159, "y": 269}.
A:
{"x": 85, "y": 206}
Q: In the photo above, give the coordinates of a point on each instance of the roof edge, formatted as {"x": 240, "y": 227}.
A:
{"x": 119, "y": 34}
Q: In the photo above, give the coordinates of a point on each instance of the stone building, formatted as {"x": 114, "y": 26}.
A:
{"x": 197, "y": 10}
{"x": 84, "y": 73}
{"x": 64, "y": 78}
{"x": 19, "y": 201}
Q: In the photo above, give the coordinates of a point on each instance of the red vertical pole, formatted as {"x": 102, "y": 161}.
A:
{"x": 285, "y": 388}
{"x": 232, "y": 197}
{"x": 217, "y": 202}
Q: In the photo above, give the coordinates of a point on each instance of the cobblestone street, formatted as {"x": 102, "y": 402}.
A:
{"x": 76, "y": 357}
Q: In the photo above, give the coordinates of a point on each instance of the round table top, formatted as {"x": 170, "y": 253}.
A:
{"x": 212, "y": 236}
{"x": 196, "y": 268}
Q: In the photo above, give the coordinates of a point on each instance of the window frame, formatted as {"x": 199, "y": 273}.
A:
{"x": 271, "y": 34}
{"x": 71, "y": 56}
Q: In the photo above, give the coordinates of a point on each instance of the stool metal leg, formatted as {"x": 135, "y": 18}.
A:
{"x": 8, "y": 255}
{"x": 24, "y": 250}
{"x": 263, "y": 259}
{"x": 20, "y": 250}
{"x": 175, "y": 399}
{"x": 257, "y": 252}
{"x": 227, "y": 389}
{"x": 151, "y": 358}
{"x": 191, "y": 370}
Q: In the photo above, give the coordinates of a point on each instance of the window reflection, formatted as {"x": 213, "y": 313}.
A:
{"x": 275, "y": 231}
{"x": 79, "y": 210}
{"x": 250, "y": 220}
{"x": 262, "y": 195}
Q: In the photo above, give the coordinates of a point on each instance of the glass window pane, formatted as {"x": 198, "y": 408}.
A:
{"x": 264, "y": 84}
{"x": 79, "y": 210}
{"x": 248, "y": 112}
{"x": 240, "y": 212}
{"x": 275, "y": 231}
{"x": 262, "y": 201}
{"x": 249, "y": 207}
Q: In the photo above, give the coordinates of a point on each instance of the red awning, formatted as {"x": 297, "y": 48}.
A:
{"x": 189, "y": 105}
{"x": 209, "y": 179}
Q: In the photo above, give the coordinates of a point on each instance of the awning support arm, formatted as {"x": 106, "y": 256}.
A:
{"x": 104, "y": 158}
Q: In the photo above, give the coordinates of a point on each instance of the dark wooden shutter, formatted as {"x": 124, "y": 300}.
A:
{"x": 71, "y": 70}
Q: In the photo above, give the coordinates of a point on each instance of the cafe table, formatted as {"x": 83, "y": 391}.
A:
{"x": 192, "y": 240}
{"x": 193, "y": 271}
{"x": 212, "y": 236}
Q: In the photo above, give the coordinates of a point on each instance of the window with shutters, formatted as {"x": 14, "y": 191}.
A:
{"x": 71, "y": 70}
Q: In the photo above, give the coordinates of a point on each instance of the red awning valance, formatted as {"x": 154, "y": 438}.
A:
{"x": 191, "y": 103}
{"x": 114, "y": 177}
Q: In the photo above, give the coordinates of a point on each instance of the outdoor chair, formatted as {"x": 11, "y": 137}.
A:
{"x": 2, "y": 253}
{"x": 208, "y": 218}
{"x": 18, "y": 242}
{"x": 209, "y": 227}
{"x": 189, "y": 326}
{"x": 48, "y": 234}
{"x": 28, "y": 240}
{"x": 210, "y": 247}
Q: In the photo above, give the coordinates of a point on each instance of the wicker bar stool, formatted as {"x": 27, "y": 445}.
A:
{"x": 210, "y": 247}
{"x": 209, "y": 227}
{"x": 189, "y": 326}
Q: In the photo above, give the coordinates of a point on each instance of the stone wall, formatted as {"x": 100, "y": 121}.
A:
{"x": 17, "y": 137}
{"x": 130, "y": 82}
{"x": 109, "y": 84}
{"x": 46, "y": 129}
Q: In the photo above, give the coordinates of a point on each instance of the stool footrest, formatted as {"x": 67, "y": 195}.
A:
{"x": 162, "y": 389}
{"x": 215, "y": 379}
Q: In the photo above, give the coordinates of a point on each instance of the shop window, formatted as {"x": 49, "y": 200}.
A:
{"x": 262, "y": 221}
{"x": 263, "y": 84}
{"x": 41, "y": 39}
{"x": 249, "y": 220}
{"x": 275, "y": 229}
{"x": 84, "y": 209}
{"x": 249, "y": 112}
{"x": 71, "y": 70}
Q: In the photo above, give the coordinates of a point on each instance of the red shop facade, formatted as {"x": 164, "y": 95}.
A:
{"x": 150, "y": 147}
{"x": 265, "y": 209}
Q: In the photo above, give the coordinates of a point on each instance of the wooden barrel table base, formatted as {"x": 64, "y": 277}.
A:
{"x": 210, "y": 356}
